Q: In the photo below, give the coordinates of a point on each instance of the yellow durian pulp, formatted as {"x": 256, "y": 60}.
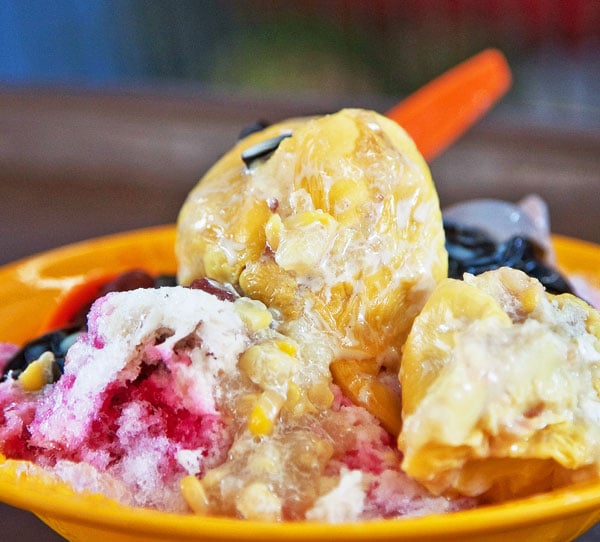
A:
{"x": 499, "y": 384}
{"x": 339, "y": 230}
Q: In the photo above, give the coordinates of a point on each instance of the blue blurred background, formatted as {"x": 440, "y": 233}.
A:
{"x": 329, "y": 47}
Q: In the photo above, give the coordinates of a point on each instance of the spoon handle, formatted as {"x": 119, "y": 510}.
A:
{"x": 438, "y": 113}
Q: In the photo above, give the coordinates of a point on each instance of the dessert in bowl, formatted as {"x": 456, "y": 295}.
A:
{"x": 312, "y": 367}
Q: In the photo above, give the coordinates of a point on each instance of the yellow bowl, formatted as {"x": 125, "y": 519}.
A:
{"x": 30, "y": 288}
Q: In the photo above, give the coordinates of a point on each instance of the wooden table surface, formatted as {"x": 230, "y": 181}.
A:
{"x": 76, "y": 164}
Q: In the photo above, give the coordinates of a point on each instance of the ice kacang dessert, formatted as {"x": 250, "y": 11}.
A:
{"x": 315, "y": 363}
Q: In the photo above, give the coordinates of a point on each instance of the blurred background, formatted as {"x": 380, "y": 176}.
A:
{"x": 110, "y": 110}
{"x": 121, "y": 105}
{"x": 307, "y": 47}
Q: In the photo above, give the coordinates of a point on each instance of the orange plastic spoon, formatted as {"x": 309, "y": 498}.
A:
{"x": 438, "y": 113}
{"x": 74, "y": 300}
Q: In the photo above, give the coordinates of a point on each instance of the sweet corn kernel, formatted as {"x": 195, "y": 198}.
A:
{"x": 305, "y": 240}
{"x": 253, "y": 313}
{"x": 260, "y": 424}
{"x": 593, "y": 325}
{"x": 345, "y": 196}
{"x": 194, "y": 494}
{"x": 596, "y": 383}
{"x": 267, "y": 365}
{"x": 216, "y": 265}
{"x": 268, "y": 461}
{"x": 320, "y": 395}
{"x": 287, "y": 347}
{"x": 531, "y": 298}
{"x": 264, "y": 413}
{"x": 273, "y": 231}
{"x": 266, "y": 281}
{"x": 310, "y": 217}
{"x": 315, "y": 455}
{"x": 294, "y": 397}
{"x": 249, "y": 224}
{"x": 38, "y": 373}
{"x": 214, "y": 477}
{"x": 256, "y": 501}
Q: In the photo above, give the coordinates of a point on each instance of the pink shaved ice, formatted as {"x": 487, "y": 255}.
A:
{"x": 139, "y": 390}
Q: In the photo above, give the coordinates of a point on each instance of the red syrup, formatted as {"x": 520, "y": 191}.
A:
{"x": 161, "y": 414}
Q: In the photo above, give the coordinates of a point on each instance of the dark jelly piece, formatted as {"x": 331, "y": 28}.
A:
{"x": 262, "y": 149}
{"x": 165, "y": 280}
{"x": 471, "y": 251}
{"x": 553, "y": 281}
{"x": 57, "y": 342}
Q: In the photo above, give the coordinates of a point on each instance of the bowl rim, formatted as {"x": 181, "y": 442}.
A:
{"x": 83, "y": 509}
